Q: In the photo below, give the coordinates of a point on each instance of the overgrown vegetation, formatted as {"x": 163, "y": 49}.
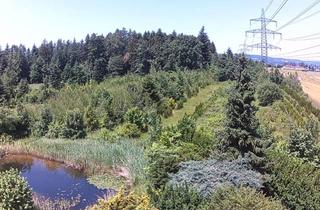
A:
{"x": 124, "y": 201}
{"x": 15, "y": 193}
{"x": 242, "y": 198}
{"x": 295, "y": 182}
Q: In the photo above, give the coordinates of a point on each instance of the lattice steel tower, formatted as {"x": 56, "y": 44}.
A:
{"x": 264, "y": 32}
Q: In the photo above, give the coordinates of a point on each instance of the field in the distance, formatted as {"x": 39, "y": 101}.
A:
{"x": 310, "y": 82}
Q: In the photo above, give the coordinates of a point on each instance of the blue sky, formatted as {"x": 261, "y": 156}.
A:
{"x": 30, "y": 21}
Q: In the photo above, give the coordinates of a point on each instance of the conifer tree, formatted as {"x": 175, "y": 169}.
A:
{"x": 205, "y": 48}
{"x": 241, "y": 126}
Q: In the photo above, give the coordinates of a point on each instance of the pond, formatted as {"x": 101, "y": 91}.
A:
{"x": 54, "y": 181}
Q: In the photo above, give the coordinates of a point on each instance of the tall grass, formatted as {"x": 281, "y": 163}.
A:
{"x": 92, "y": 155}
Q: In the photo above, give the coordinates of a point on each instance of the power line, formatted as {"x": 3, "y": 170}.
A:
{"x": 268, "y": 7}
{"x": 307, "y": 54}
{"x": 299, "y": 15}
{"x": 303, "y": 37}
{"x": 284, "y": 2}
{"x": 306, "y": 39}
{"x": 308, "y": 48}
{"x": 307, "y": 17}
{"x": 306, "y": 57}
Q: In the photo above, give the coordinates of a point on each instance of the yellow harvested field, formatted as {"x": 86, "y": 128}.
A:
{"x": 310, "y": 82}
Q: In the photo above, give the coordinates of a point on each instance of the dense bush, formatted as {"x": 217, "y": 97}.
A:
{"x": 176, "y": 144}
{"x": 128, "y": 130}
{"x": 294, "y": 181}
{"x": 276, "y": 76}
{"x": 302, "y": 144}
{"x": 15, "y": 193}
{"x": 41, "y": 127}
{"x": 55, "y": 129}
{"x": 5, "y": 139}
{"x": 209, "y": 175}
{"x": 162, "y": 160}
{"x": 40, "y": 94}
{"x": 187, "y": 128}
{"x": 166, "y": 107}
{"x": 268, "y": 93}
{"x": 137, "y": 117}
{"x": 90, "y": 119}
{"x": 73, "y": 125}
{"x": 124, "y": 201}
{"x": 177, "y": 198}
{"x": 14, "y": 122}
{"x": 241, "y": 199}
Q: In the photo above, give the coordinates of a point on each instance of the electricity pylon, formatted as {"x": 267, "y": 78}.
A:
{"x": 264, "y": 32}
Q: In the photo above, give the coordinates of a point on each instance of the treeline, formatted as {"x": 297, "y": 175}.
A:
{"x": 100, "y": 56}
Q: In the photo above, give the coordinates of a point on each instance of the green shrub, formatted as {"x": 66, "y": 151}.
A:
{"x": 55, "y": 130}
{"x": 15, "y": 122}
{"x": 8, "y": 121}
{"x": 5, "y": 139}
{"x": 105, "y": 121}
{"x": 199, "y": 110}
{"x": 137, "y": 117}
{"x": 73, "y": 125}
{"x": 302, "y": 144}
{"x": 22, "y": 89}
{"x": 154, "y": 124}
{"x": 41, "y": 127}
{"x": 177, "y": 198}
{"x": 108, "y": 135}
{"x": 268, "y": 93}
{"x": 90, "y": 119}
{"x": 276, "y": 76}
{"x": 166, "y": 107}
{"x": 40, "y": 95}
{"x": 124, "y": 201}
{"x": 15, "y": 193}
{"x": 241, "y": 199}
{"x": 187, "y": 128}
{"x": 294, "y": 181}
{"x": 128, "y": 130}
{"x": 162, "y": 161}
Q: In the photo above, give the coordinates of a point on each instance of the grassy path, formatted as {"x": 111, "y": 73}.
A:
{"x": 189, "y": 106}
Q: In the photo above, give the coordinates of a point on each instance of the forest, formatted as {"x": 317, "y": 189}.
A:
{"x": 161, "y": 119}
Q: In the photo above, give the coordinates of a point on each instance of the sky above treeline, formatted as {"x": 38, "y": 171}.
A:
{"x": 30, "y": 22}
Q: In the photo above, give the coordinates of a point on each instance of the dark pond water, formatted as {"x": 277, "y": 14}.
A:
{"x": 54, "y": 180}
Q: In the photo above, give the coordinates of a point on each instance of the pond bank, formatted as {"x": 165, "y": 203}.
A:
{"x": 123, "y": 159}
{"x": 54, "y": 183}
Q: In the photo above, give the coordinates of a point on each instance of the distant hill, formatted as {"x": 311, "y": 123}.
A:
{"x": 282, "y": 61}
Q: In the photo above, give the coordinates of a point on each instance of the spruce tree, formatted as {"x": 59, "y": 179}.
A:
{"x": 116, "y": 65}
{"x": 241, "y": 126}
{"x": 205, "y": 48}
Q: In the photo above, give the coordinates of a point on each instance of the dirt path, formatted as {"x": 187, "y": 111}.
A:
{"x": 310, "y": 82}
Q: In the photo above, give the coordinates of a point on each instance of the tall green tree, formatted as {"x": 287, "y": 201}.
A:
{"x": 116, "y": 65}
{"x": 241, "y": 126}
{"x": 205, "y": 48}
{"x": 96, "y": 58}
